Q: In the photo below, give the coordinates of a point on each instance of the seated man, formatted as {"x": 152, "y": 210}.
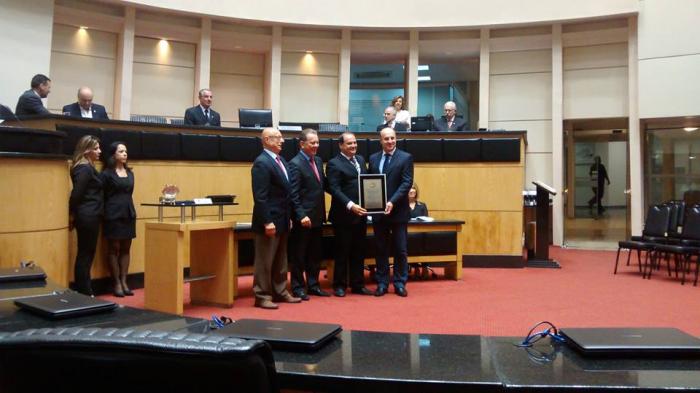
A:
{"x": 85, "y": 108}
{"x": 29, "y": 102}
{"x": 450, "y": 121}
{"x": 202, "y": 114}
{"x": 390, "y": 120}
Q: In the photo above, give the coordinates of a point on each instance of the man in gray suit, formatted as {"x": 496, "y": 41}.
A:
{"x": 29, "y": 102}
{"x": 450, "y": 121}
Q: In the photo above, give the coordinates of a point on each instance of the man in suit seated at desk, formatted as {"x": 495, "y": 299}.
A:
{"x": 29, "y": 102}
{"x": 450, "y": 121}
{"x": 390, "y": 120}
{"x": 85, "y": 108}
{"x": 203, "y": 114}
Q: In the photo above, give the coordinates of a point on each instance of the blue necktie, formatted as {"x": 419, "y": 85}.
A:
{"x": 387, "y": 159}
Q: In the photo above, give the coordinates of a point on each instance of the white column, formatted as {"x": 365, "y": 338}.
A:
{"x": 203, "y": 60}
{"x": 412, "y": 73}
{"x": 273, "y": 71}
{"x": 635, "y": 134}
{"x": 557, "y": 136}
{"x": 484, "y": 59}
{"x": 344, "y": 78}
{"x": 125, "y": 67}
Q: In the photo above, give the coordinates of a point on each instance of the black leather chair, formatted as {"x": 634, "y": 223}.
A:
{"x": 200, "y": 147}
{"x": 132, "y": 139}
{"x": 290, "y": 148}
{"x": 160, "y": 146}
{"x": 687, "y": 247}
{"x": 655, "y": 231}
{"x": 363, "y": 147}
{"x": 325, "y": 148}
{"x": 425, "y": 150}
{"x": 74, "y": 133}
{"x": 240, "y": 148}
{"x": 461, "y": 150}
{"x": 500, "y": 149}
{"x": 123, "y": 360}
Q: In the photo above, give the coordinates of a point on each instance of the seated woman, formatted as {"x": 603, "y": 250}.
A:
{"x": 418, "y": 209}
{"x": 402, "y": 114}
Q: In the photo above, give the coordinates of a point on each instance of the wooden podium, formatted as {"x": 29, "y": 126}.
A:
{"x": 209, "y": 247}
{"x": 541, "y": 258}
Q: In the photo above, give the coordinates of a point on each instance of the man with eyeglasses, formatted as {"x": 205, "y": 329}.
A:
{"x": 390, "y": 120}
{"x": 84, "y": 107}
{"x": 203, "y": 114}
{"x": 450, "y": 121}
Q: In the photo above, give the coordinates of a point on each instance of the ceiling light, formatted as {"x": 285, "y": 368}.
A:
{"x": 83, "y": 27}
{"x": 424, "y": 78}
{"x": 309, "y": 51}
{"x": 424, "y": 67}
{"x": 690, "y": 129}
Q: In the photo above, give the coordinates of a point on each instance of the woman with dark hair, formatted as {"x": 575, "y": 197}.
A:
{"x": 402, "y": 114}
{"x": 418, "y": 209}
{"x": 120, "y": 215}
{"x": 85, "y": 208}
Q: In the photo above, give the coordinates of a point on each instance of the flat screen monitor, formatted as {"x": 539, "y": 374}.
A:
{"x": 421, "y": 123}
{"x": 255, "y": 118}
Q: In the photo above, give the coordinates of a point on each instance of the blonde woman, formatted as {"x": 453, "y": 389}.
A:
{"x": 85, "y": 207}
{"x": 402, "y": 114}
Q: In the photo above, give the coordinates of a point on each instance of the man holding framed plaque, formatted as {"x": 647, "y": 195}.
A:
{"x": 392, "y": 224}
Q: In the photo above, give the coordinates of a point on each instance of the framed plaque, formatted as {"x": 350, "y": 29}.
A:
{"x": 373, "y": 193}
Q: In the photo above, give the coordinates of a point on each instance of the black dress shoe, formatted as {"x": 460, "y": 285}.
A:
{"x": 316, "y": 291}
{"x": 300, "y": 294}
{"x": 340, "y": 292}
{"x": 381, "y": 291}
{"x": 362, "y": 291}
{"x": 401, "y": 291}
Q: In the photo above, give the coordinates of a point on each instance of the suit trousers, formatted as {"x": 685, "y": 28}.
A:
{"x": 270, "y": 266}
{"x": 305, "y": 251}
{"x": 396, "y": 234}
{"x": 88, "y": 229}
{"x": 350, "y": 243}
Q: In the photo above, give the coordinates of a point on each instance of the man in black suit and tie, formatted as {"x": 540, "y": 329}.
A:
{"x": 348, "y": 218}
{"x": 308, "y": 198}
{"x": 29, "y": 102}
{"x": 271, "y": 222}
{"x": 392, "y": 226}
{"x": 202, "y": 114}
{"x": 390, "y": 120}
{"x": 450, "y": 121}
{"x": 85, "y": 108}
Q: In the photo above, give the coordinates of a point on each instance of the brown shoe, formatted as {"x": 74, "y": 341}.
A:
{"x": 287, "y": 298}
{"x": 266, "y": 304}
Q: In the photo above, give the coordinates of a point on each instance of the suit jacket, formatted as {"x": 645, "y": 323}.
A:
{"x": 308, "y": 196}
{"x": 98, "y": 111}
{"x": 397, "y": 127}
{"x": 118, "y": 195}
{"x": 457, "y": 125}
{"x": 399, "y": 179}
{"x": 343, "y": 186}
{"x": 86, "y": 198}
{"x": 421, "y": 209}
{"x": 271, "y": 194}
{"x": 29, "y": 103}
{"x": 195, "y": 117}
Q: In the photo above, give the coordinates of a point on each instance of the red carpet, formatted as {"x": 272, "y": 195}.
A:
{"x": 496, "y": 302}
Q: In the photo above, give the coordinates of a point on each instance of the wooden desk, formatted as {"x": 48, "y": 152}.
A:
{"x": 210, "y": 248}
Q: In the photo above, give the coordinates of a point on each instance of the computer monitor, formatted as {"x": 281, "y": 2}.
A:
{"x": 421, "y": 123}
{"x": 255, "y": 118}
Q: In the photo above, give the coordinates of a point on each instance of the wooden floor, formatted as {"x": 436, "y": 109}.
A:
{"x": 590, "y": 232}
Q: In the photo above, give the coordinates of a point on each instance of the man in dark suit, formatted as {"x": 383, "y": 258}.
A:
{"x": 392, "y": 226}
{"x": 202, "y": 114}
{"x": 450, "y": 121}
{"x": 348, "y": 218}
{"x": 308, "y": 198}
{"x": 390, "y": 120}
{"x": 85, "y": 108}
{"x": 271, "y": 222}
{"x": 29, "y": 102}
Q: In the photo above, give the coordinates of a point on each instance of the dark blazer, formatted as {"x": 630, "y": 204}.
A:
{"x": 397, "y": 127}
{"x": 399, "y": 179}
{"x": 195, "y": 117}
{"x": 458, "y": 125}
{"x": 421, "y": 209}
{"x": 86, "y": 198}
{"x": 342, "y": 184}
{"x": 118, "y": 195}
{"x": 98, "y": 111}
{"x": 29, "y": 103}
{"x": 308, "y": 197}
{"x": 271, "y": 194}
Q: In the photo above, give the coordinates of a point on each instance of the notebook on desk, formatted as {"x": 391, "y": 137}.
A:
{"x": 24, "y": 273}
{"x": 303, "y": 336}
{"x": 665, "y": 342}
{"x": 65, "y": 305}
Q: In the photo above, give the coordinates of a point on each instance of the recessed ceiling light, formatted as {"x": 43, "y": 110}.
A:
{"x": 309, "y": 51}
{"x": 424, "y": 67}
{"x": 690, "y": 129}
{"x": 425, "y": 78}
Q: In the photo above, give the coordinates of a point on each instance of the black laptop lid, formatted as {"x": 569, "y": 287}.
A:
{"x": 24, "y": 273}
{"x": 305, "y": 336}
{"x": 632, "y": 341}
{"x": 65, "y": 305}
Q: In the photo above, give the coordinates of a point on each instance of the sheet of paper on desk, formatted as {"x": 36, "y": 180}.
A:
{"x": 202, "y": 201}
{"x": 425, "y": 218}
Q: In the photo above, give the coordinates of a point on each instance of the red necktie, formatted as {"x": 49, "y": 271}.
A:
{"x": 313, "y": 167}
{"x": 281, "y": 166}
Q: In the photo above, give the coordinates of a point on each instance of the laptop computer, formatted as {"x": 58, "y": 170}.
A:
{"x": 666, "y": 342}
{"x": 301, "y": 336}
{"x": 23, "y": 273}
{"x": 65, "y": 305}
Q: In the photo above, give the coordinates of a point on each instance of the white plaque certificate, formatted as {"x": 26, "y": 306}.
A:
{"x": 373, "y": 192}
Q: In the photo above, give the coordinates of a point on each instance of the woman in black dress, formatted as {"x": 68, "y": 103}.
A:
{"x": 418, "y": 209}
{"x": 85, "y": 208}
{"x": 120, "y": 215}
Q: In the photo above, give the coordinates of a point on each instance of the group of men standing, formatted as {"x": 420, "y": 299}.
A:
{"x": 289, "y": 211}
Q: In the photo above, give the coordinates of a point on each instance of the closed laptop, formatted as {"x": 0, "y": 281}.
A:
{"x": 23, "y": 273}
{"x": 65, "y": 305}
{"x": 304, "y": 336}
{"x": 665, "y": 342}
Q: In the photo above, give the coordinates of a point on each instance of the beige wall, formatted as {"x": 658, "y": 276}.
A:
{"x": 236, "y": 82}
{"x": 82, "y": 57}
{"x": 25, "y": 39}
{"x": 309, "y": 87}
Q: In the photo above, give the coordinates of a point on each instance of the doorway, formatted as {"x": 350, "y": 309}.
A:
{"x": 596, "y": 200}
